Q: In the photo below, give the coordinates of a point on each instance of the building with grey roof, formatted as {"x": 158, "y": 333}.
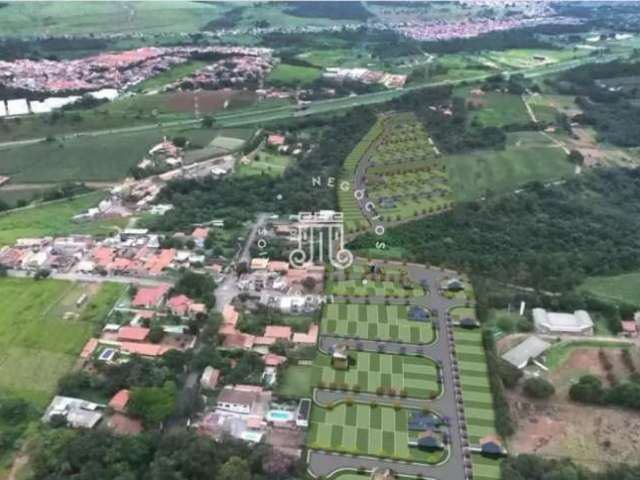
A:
{"x": 77, "y": 412}
{"x": 531, "y": 348}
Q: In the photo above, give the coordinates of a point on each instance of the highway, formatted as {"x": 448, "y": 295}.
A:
{"x": 255, "y": 116}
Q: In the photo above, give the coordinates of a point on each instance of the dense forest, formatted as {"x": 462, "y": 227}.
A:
{"x": 545, "y": 237}
{"x": 238, "y": 199}
{"x": 93, "y": 455}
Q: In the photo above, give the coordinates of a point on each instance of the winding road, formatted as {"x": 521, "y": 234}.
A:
{"x": 457, "y": 465}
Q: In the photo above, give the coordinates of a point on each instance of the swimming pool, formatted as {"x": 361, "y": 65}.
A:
{"x": 279, "y": 416}
{"x": 107, "y": 354}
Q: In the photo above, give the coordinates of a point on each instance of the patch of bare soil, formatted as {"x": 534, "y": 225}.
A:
{"x": 558, "y": 427}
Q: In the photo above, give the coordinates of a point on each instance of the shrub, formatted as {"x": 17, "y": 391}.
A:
{"x": 537, "y": 387}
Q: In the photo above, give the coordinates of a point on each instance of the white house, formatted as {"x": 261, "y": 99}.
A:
{"x": 576, "y": 323}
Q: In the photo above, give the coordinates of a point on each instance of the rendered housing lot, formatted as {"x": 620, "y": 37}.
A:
{"x": 349, "y": 240}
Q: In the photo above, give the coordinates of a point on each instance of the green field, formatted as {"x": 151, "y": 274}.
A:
{"x": 54, "y": 18}
{"x": 415, "y": 376}
{"x": 37, "y": 343}
{"x": 475, "y": 174}
{"x": 365, "y": 430}
{"x": 623, "y": 288}
{"x": 294, "y": 75}
{"x": 476, "y": 391}
{"x": 382, "y": 322}
{"x": 296, "y": 382}
{"x": 499, "y": 109}
{"x": 172, "y": 75}
{"x": 529, "y": 57}
{"x": 54, "y": 218}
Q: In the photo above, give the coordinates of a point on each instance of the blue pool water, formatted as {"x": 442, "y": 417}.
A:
{"x": 279, "y": 416}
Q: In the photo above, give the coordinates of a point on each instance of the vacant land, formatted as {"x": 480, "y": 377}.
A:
{"x": 498, "y": 109}
{"x": 485, "y": 468}
{"x": 54, "y": 219}
{"x": 293, "y": 75}
{"x": 476, "y": 392}
{"x": 476, "y": 174}
{"x": 365, "y": 430}
{"x": 415, "y": 377}
{"x": 374, "y": 322}
{"x": 365, "y": 288}
{"x": 172, "y": 75}
{"x": 296, "y": 382}
{"x": 42, "y": 330}
{"x": 616, "y": 288}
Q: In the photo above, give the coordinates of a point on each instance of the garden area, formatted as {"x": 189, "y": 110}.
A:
{"x": 379, "y": 373}
{"x": 365, "y": 430}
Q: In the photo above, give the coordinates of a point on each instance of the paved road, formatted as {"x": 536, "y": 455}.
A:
{"x": 85, "y": 277}
{"x": 228, "y": 290}
{"x": 323, "y": 463}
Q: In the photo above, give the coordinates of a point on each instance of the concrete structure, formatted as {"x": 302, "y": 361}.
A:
{"x": 531, "y": 348}
{"x": 77, "y": 412}
{"x": 578, "y": 323}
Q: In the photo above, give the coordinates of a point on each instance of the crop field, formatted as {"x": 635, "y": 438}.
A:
{"x": 365, "y": 430}
{"x": 42, "y": 331}
{"x": 285, "y": 74}
{"x": 623, "y": 288}
{"x": 353, "y": 218}
{"x": 374, "y": 322}
{"x": 473, "y": 175}
{"x": 54, "y": 219}
{"x": 416, "y": 377}
{"x": 495, "y": 109}
{"x": 405, "y": 176}
{"x": 476, "y": 392}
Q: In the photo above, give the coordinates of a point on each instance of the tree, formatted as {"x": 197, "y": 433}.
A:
{"x": 537, "y": 387}
{"x": 152, "y": 404}
{"x": 235, "y": 469}
{"x": 208, "y": 121}
{"x": 575, "y": 156}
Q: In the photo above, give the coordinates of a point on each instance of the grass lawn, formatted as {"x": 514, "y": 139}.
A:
{"x": 365, "y": 430}
{"x": 476, "y": 391}
{"x": 37, "y": 343}
{"x": 54, "y": 219}
{"x": 473, "y": 175}
{"x": 417, "y": 376}
{"x": 485, "y": 468}
{"x": 266, "y": 163}
{"x": 616, "y": 288}
{"x": 384, "y": 322}
{"x": 285, "y": 74}
{"x": 296, "y": 382}
{"x": 358, "y": 288}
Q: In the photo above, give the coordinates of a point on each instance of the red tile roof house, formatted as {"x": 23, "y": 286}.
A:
{"x": 199, "y": 235}
{"x": 629, "y": 328}
{"x": 275, "y": 140}
{"x": 273, "y": 360}
{"x": 151, "y": 297}
{"x": 278, "y": 332}
{"x": 132, "y": 334}
{"x": 184, "y": 307}
{"x": 157, "y": 263}
{"x": 119, "y": 401}
{"x": 309, "y": 338}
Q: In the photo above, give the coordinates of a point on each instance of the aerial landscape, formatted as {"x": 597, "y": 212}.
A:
{"x": 320, "y": 240}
